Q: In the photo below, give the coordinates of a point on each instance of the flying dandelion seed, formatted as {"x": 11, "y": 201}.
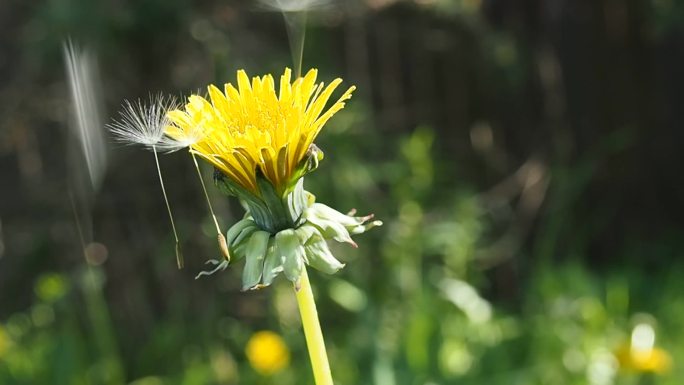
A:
{"x": 87, "y": 127}
{"x": 295, "y": 5}
{"x": 87, "y": 162}
{"x": 144, "y": 124}
{"x": 294, "y": 12}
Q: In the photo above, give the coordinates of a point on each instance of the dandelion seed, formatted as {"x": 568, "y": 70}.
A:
{"x": 83, "y": 79}
{"x": 176, "y": 138}
{"x": 223, "y": 246}
{"x": 295, "y": 5}
{"x": 150, "y": 126}
{"x": 144, "y": 124}
{"x": 295, "y": 15}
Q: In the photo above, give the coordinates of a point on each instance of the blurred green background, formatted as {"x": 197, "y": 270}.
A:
{"x": 525, "y": 156}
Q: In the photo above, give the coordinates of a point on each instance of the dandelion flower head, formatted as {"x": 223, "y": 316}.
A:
{"x": 253, "y": 128}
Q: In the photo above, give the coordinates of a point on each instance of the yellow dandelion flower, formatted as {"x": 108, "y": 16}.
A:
{"x": 253, "y": 128}
{"x": 267, "y": 352}
{"x": 260, "y": 142}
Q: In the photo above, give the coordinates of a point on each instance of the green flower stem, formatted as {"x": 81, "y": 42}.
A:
{"x": 312, "y": 331}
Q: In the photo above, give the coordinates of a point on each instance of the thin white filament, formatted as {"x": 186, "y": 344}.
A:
{"x": 144, "y": 123}
{"x": 295, "y": 5}
{"x": 296, "y": 31}
{"x": 82, "y": 74}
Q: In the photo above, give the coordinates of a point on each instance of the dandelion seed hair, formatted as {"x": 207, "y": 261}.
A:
{"x": 144, "y": 124}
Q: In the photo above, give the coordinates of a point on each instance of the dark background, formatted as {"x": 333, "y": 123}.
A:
{"x": 524, "y": 156}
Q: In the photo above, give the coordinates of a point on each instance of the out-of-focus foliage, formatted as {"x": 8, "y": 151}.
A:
{"x": 521, "y": 156}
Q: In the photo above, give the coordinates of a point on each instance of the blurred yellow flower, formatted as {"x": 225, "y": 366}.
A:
{"x": 4, "y": 341}
{"x": 654, "y": 360}
{"x": 254, "y": 128}
{"x": 641, "y": 355}
{"x": 267, "y": 352}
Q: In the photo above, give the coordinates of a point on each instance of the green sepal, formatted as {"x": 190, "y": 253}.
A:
{"x": 273, "y": 264}
{"x": 308, "y": 164}
{"x": 279, "y": 216}
{"x": 237, "y": 236}
{"x": 256, "y": 206}
{"x": 230, "y": 188}
{"x": 360, "y": 229}
{"x": 310, "y": 198}
{"x": 292, "y": 252}
{"x": 237, "y": 232}
{"x": 355, "y": 225}
{"x": 297, "y": 201}
{"x": 254, "y": 255}
{"x": 270, "y": 210}
{"x": 307, "y": 231}
{"x": 236, "y": 228}
{"x": 238, "y": 252}
{"x": 319, "y": 257}
{"x": 330, "y": 229}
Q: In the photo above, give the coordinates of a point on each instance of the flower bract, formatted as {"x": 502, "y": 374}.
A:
{"x": 267, "y": 255}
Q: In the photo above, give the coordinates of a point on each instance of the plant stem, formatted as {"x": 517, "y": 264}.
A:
{"x": 312, "y": 331}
